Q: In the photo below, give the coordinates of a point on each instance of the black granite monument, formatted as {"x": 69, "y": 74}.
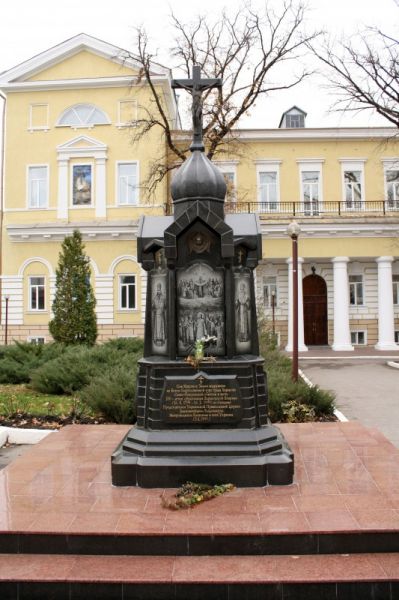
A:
{"x": 204, "y": 420}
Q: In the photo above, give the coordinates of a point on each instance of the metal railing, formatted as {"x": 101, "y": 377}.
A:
{"x": 314, "y": 209}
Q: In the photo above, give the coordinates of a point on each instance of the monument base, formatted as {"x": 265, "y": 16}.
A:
{"x": 247, "y": 458}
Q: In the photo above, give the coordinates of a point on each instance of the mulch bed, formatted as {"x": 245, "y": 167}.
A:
{"x": 27, "y": 421}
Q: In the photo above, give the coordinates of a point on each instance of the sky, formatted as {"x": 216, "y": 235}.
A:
{"x": 29, "y": 27}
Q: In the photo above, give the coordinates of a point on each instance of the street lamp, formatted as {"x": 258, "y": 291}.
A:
{"x": 273, "y": 314}
{"x": 293, "y": 231}
{"x": 6, "y": 298}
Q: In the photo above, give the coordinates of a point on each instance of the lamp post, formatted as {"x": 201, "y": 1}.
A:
{"x": 293, "y": 231}
{"x": 273, "y": 314}
{"x": 6, "y": 298}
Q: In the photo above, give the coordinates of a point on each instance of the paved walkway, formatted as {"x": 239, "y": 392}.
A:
{"x": 366, "y": 388}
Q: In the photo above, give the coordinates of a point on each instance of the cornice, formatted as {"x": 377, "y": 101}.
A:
{"x": 307, "y": 133}
{"x": 333, "y": 230}
{"x": 55, "y": 232}
{"x": 66, "y": 84}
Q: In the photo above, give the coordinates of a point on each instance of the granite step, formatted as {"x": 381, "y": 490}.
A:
{"x": 200, "y": 544}
{"x": 74, "y": 577}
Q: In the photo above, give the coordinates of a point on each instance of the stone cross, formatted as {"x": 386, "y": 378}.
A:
{"x": 196, "y": 86}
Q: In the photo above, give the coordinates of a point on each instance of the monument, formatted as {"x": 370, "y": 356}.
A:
{"x": 202, "y": 419}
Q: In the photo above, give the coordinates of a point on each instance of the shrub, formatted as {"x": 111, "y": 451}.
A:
{"x": 17, "y": 361}
{"x": 65, "y": 374}
{"x": 112, "y": 394}
{"x": 78, "y": 365}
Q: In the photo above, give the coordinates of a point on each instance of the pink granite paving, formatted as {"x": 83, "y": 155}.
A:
{"x": 200, "y": 569}
{"x": 346, "y": 479}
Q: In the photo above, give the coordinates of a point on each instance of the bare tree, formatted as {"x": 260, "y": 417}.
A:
{"x": 364, "y": 73}
{"x": 248, "y": 50}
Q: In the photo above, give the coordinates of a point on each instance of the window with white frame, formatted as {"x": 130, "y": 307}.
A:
{"x": 268, "y": 185}
{"x": 268, "y": 189}
{"x": 38, "y": 340}
{"x": 356, "y": 293}
{"x": 37, "y": 293}
{"x": 358, "y": 338}
{"x": 353, "y": 188}
{"x": 395, "y": 286}
{"x": 295, "y": 120}
{"x": 229, "y": 171}
{"x": 127, "y": 183}
{"x": 353, "y": 184}
{"x": 38, "y": 186}
{"x": 83, "y": 115}
{"x": 127, "y": 292}
{"x": 269, "y": 292}
{"x": 392, "y": 187}
{"x": 311, "y": 185}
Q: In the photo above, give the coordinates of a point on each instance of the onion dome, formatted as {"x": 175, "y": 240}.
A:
{"x": 198, "y": 179}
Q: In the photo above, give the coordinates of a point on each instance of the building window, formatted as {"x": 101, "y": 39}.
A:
{"x": 38, "y": 186}
{"x": 353, "y": 192}
{"x": 36, "y": 340}
{"x": 269, "y": 290}
{"x": 397, "y": 336}
{"x": 395, "y": 285}
{"x": 81, "y": 185}
{"x": 356, "y": 290}
{"x": 127, "y": 193}
{"x": 229, "y": 172}
{"x": 392, "y": 188}
{"x": 310, "y": 192}
{"x": 230, "y": 179}
{"x": 36, "y": 293}
{"x": 83, "y": 115}
{"x": 127, "y": 292}
{"x": 358, "y": 338}
{"x": 268, "y": 192}
{"x": 295, "y": 120}
{"x": 353, "y": 189}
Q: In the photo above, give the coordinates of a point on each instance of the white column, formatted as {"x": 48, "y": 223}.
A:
{"x": 386, "y": 322}
{"x": 342, "y": 335}
{"x": 62, "y": 211}
{"x": 143, "y": 297}
{"x": 104, "y": 292}
{"x": 101, "y": 210}
{"x": 301, "y": 336}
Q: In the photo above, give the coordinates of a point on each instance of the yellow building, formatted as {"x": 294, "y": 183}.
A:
{"x": 69, "y": 163}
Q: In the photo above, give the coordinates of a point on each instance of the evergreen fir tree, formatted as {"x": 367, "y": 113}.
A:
{"x": 74, "y": 319}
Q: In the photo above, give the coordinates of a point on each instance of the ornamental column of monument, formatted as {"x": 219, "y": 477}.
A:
{"x": 203, "y": 418}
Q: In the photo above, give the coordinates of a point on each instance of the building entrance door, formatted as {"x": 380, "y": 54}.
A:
{"x": 315, "y": 310}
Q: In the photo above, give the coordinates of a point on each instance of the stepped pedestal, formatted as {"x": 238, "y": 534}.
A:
{"x": 67, "y": 533}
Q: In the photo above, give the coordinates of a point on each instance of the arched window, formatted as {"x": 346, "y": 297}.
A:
{"x": 83, "y": 115}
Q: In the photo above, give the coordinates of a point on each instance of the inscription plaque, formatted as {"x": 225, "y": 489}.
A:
{"x": 201, "y": 399}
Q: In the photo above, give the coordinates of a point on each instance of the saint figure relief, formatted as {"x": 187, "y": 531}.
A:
{"x": 158, "y": 317}
{"x": 243, "y": 314}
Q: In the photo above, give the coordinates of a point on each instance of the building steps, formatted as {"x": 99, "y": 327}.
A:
{"x": 74, "y": 577}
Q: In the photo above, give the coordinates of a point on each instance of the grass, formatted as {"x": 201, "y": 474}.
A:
{"x": 18, "y": 398}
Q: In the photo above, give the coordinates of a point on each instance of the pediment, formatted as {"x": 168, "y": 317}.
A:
{"x": 108, "y": 59}
{"x": 82, "y": 142}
